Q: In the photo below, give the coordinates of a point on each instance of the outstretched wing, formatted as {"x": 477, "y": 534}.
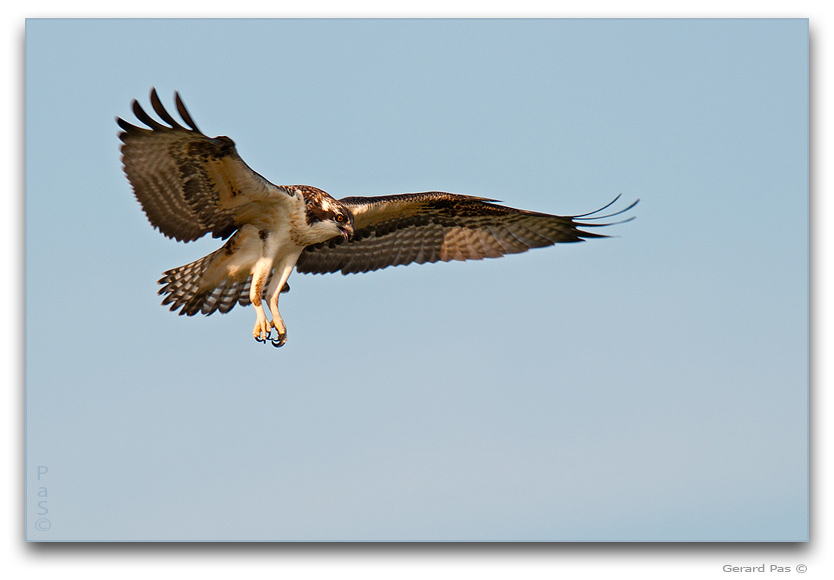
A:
{"x": 435, "y": 226}
{"x": 188, "y": 184}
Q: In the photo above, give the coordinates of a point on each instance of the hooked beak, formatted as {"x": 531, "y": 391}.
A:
{"x": 347, "y": 232}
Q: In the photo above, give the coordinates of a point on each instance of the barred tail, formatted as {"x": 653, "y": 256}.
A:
{"x": 183, "y": 289}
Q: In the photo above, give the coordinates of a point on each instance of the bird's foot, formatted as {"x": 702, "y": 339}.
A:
{"x": 280, "y": 330}
{"x": 269, "y": 332}
{"x": 279, "y": 340}
{"x": 262, "y": 330}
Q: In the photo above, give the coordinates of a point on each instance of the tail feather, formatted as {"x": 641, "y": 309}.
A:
{"x": 231, "y": 295}
{"x": 182, "y": 289}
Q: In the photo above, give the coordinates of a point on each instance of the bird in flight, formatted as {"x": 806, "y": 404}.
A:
{"x": 190, "y": 185}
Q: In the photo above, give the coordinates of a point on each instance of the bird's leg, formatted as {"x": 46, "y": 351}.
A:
{"x": 279, "y": 280}
{"x": 260, "y": 273}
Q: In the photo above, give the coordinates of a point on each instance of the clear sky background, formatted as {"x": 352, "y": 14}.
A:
{"x": 648, "y": 387}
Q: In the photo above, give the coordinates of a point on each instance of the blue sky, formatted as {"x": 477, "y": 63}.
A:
{"x": 647, "y": 387}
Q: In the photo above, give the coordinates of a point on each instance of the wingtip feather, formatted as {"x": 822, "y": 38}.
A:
{"x": 184, "y": 113}
{"x": 145, "y": 118}
{"x": 156, "y": 103}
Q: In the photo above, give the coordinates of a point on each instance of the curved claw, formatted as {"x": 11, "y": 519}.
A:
{"x": 278, "y": 342}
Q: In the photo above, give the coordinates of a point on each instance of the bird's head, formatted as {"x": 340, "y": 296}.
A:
{"x": 344, "y": 221}
{"x": 328, "y": 217}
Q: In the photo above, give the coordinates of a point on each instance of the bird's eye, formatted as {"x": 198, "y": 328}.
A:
{"x": 340, "y": 218}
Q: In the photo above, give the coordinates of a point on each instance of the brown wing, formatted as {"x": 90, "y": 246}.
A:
{"x": 188, "y": 184}
{"x": 435, "y": 226}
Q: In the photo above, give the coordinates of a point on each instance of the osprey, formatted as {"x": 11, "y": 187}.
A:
{"x": 190, "y": 185}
